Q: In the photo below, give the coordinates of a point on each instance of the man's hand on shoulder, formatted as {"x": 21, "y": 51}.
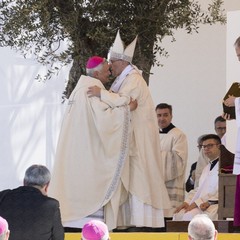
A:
{"x": 94, "y": 91}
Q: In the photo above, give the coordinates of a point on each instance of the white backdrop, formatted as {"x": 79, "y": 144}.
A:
{"x": 30, "y": 116}
{"x": 193, "y": 80}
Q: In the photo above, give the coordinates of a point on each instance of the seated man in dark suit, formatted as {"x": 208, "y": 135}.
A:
{"x": 30, "y": 213}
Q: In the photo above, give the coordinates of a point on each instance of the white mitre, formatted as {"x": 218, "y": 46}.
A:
{"x": 117, "y": 50}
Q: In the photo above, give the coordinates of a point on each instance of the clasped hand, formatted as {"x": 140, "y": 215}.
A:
{"x": 94, "y": 91}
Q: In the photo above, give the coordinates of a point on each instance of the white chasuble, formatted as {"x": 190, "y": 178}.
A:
{"x": 92, "y": 153}
{"x": 146, "y": 183}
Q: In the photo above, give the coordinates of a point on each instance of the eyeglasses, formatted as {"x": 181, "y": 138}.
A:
{"x": 208, "y": 146}
{"x": 221, "y": 128}
{"x": 113, "y": 61}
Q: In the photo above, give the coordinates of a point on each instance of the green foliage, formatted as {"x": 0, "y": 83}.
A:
{"x": 59, "y": 32}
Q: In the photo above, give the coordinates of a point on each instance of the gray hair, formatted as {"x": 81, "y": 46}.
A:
{"x": 37, "y": 175}
{"x": 237, "y": 42}
{"x": 98, "y": 68}
{"x": 201, "y": 227}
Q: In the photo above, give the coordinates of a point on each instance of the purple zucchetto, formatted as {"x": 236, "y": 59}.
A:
{"x": 95, "y": 230}
{"x": 94, "y": 62}
{"x": 3, "y": 226}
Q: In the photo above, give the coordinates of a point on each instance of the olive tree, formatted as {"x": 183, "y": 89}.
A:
{"x": 60, "y": 32}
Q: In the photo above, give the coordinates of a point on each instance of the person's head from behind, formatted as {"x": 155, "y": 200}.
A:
{"x": 211, "y": 146}
{"x": 237, "y": 47}
{"x": 95, "y": 230}
{"x": 97, "y": 67}
{"x": 37, "y": 176}
{"x": 4, "y": 232}
{"x": 201, "y": 227}
{"x": 164, "y": 115}
{"x": 220, "y": 126}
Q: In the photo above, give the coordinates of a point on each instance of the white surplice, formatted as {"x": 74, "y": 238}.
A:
{"x": 174, "y": 149}
{"x": 207, "y": 190}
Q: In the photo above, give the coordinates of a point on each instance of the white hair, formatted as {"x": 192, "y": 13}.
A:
{"x": 201, "y": 227}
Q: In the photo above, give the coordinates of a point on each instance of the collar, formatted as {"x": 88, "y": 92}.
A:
{"x": 167, "y": 129}
{"x": 119, "y": 80}
{"x": 213, "y": 163}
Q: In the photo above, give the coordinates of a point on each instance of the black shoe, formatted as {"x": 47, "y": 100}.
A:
{"x": 70, "y": 229}
{"x": 136, "y": 229}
